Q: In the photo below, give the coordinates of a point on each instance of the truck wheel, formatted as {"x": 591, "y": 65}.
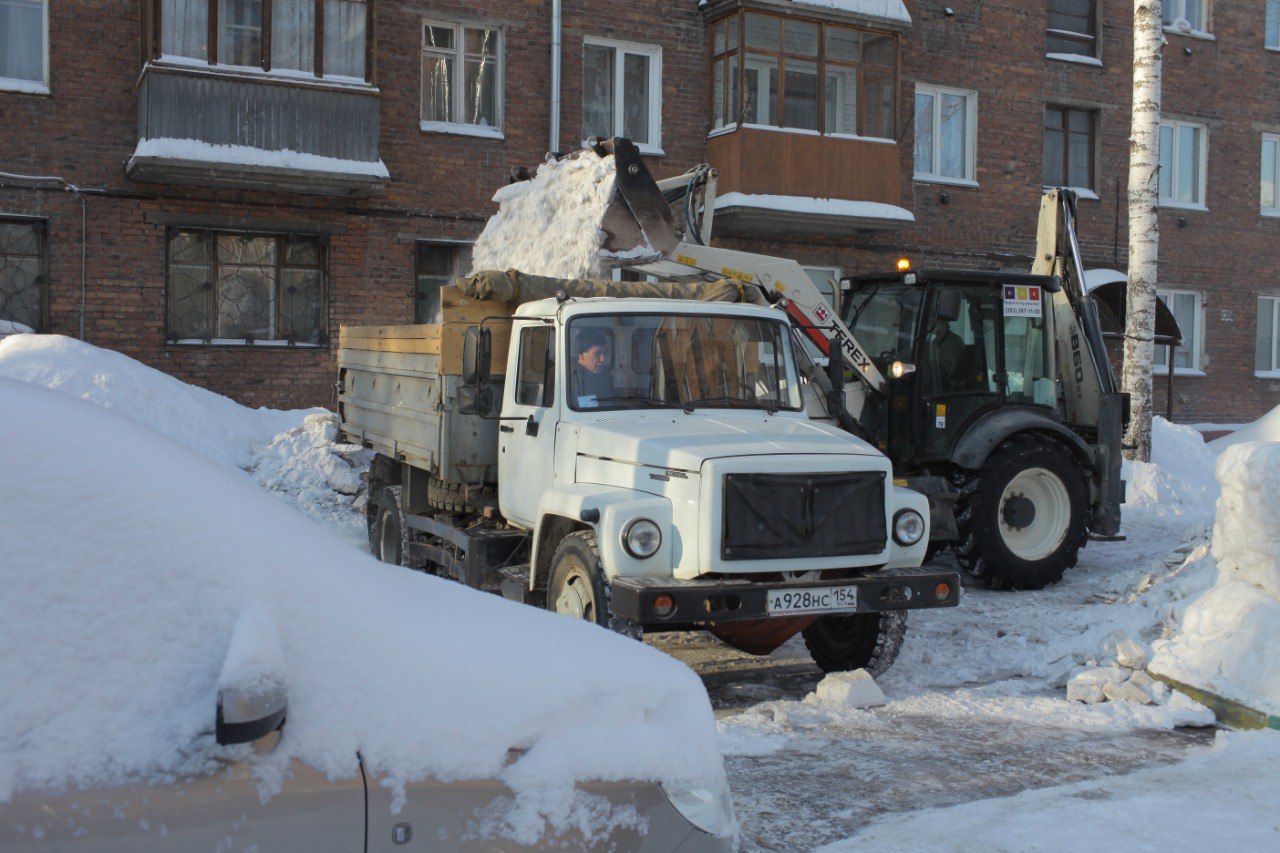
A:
{"x": 869, "y": 641}
{"x": 389, "y": 535}
{"x": 577, "y": 584}
{"x": 1022, "y": 517}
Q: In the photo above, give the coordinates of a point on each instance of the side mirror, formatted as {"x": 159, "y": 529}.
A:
{"x": 950, "y": 304}
{"x": 244, "y": 715}
{"x": 475, "y": 401}
{"x": 477, "y": 351}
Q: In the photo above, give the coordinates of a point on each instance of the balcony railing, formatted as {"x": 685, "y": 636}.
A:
{"x": 238, "y": 131}
{"x": 779, "y": 182}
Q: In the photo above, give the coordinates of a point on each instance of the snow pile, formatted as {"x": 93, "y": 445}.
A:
{"x": 129, "y": 561}
{"x": 1178, "y": 482}
{"x": 319, "y": 475}
{"x": 1221, "y": 798}
{"x": 1265, "y": 428}
{"x": 165, "y": 148}
{"x": 211, "y": 424}
{"x": 1228, "y": 639}
{"x": 550, "y": 225}
{"x": 13, "y": 327}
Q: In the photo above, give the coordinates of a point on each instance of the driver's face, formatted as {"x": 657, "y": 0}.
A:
{"x": 594, "y": 359}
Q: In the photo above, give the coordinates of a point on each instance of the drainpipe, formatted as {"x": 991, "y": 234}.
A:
{"x": 555, "y": 76}
{"x": 84, "y": 217}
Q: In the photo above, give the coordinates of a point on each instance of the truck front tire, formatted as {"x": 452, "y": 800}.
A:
{"x": 578, "y": 588}
{"x": 869, "y": 641}
{"x": 1022, "y": 517}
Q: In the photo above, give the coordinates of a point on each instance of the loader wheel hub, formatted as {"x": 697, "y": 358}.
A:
{"x": 1019, "y": 512}
{"x": 1035, "y": 513}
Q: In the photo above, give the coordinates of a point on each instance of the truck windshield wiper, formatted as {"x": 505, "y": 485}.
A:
{"x": 634, "y": 398}
{"x": 730, "y": 402}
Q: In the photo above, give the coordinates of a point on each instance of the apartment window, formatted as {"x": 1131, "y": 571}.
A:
{"x": 246, "y": 288}
{"x": 1270, "y": 178}
{"x": 438, "y": 264}
{"x": 320, "y": 38}
{"x": 22, "y": 272}
{"x": 461, "y": 79}
{"x": 1186, "y": 16}
{"x": 946, "y": 134}
{"x": 811, "y": 75}
{"x": 1185, "y": 306}
{"x": 1267, "y": 358}
{"x": 1272, "y": 25}
{"x": 1068, "y": 147}
{"x": 622, "y": 92}
{"x": 1072, "y": 27}
{"x": 24, "y": 45}
{"x": 1182, "y": 164}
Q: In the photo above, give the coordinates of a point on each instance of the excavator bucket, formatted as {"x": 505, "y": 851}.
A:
{"x": 577, "y": 218}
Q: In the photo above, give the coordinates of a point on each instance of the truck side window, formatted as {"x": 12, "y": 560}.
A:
{"x": 535, "y": 384}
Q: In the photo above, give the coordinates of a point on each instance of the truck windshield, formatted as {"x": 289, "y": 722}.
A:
{"x": 680, "y": 361}
{"x": 882, "y": 317}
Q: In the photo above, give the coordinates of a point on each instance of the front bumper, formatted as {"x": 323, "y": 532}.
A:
{"x": 701, "y": 602}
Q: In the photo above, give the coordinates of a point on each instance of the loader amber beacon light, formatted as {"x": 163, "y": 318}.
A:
{"x": 904, "y": 264}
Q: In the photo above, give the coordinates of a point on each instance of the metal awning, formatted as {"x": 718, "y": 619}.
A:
{"x": 1108, "y": 290}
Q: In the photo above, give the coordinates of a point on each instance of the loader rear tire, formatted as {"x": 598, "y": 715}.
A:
{"x": 869, "y": 641}
{"x": 1022, "y": 517}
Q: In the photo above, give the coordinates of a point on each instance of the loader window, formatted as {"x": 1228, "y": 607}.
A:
{"x": 535, "y": 385}
{"x": 883, "y": 317}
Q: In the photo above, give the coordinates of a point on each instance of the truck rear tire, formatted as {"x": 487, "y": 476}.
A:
{"x": 389, "y": 535}
{"x": 1022, "y": 517}
{"x": 578, "y": 588}
{"x": 869, "y": 641}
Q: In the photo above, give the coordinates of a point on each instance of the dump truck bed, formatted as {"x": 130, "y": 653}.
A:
{"x": 397, "y": 391}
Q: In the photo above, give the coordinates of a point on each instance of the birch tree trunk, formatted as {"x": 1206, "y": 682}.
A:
{"x": 1144, "y": 224}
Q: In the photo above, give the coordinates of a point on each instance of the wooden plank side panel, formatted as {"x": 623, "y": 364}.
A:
{"x": 765, "y": 162}
{"x": 391, "y": 363}
{"x": 444, "y": 340}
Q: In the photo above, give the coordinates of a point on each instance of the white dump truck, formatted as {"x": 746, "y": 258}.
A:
{"x": 645, "y": 463}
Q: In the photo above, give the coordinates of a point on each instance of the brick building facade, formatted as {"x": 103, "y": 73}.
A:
{"x": 413, "y": 111}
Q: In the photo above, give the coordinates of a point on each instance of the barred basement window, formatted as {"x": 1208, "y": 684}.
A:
{"x": 236, "y": 288}
{"x": 23, "y": 278}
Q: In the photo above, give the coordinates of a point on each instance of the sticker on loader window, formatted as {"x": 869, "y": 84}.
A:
{"x": 1021, "y": 301}
{"x": 940, "y": 416}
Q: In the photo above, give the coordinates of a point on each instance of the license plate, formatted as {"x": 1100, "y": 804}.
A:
{"x": 822, "y": 599}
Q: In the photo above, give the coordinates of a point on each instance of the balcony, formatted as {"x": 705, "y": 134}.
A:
{"x": 783, "y": 183}
{"x": 256, "y": 132}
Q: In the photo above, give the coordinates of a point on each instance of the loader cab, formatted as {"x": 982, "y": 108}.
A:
{"x": 978, "y": 341}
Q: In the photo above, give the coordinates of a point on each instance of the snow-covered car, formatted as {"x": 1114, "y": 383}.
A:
{"x": 155, "y": 603}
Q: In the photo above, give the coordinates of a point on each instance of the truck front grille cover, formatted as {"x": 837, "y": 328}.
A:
{"x": 778, "y": 516}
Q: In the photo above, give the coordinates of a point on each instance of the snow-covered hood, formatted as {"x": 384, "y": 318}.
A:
{"x": 673, "y": 439}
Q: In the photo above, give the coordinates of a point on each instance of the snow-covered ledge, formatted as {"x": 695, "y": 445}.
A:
{"x": 889, "y": 11}
{"x": 786, "y": 215}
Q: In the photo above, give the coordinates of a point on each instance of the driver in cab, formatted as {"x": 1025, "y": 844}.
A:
{"x": 589, "y": 370}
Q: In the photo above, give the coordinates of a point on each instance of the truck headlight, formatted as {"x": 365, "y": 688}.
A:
{"x": 642, "y": 538}
{"x": 705, "y": 806}
{"x": 908, "y": 527}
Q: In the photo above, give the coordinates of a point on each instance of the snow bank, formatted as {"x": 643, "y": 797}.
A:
{"x": 1178, "y": 482}
{"x": 129, "y": 561}
{"x": 1265, "y": 428}
{"x": 212, "y": 425}
{"x": 13, "y": 327}
{"x": 1228, "y": 641}
{"x": 550, "y": 225}
{"x": 1223, "y": 798}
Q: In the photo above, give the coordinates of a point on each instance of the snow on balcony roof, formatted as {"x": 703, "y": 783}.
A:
{"x": 816, "y": 206}
{"x": 885, "y": 10}
{"x": 243, "y": 155}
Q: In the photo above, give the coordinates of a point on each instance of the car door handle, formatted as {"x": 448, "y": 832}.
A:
{"x": 505, "y": 428}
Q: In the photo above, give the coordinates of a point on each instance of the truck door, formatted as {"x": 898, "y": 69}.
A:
{"x": 527, "y": 432}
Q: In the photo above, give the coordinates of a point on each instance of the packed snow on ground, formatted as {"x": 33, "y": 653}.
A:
{"x": 1265, "y": 428}
{"x": 1222, "y": 798}
{"x": 129, "y": 561}
{"x": 1227, "y": 640}
{"x": 293, "y": 453}
{"x": 550, "y": 225}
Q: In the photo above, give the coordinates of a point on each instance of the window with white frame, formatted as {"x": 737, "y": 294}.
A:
{"x": 1185, "y": 305}
{"x": 1072, "y": 27}
{"x": 24, "y": 45}
{"x": 462, "y": 79}
{"x": 1269, "y": 201}
{"x": 1183, "y": 159}
{"x": 282, "y": 36}
{"x": 1186, "y": 16}
{"x": 1267, "y": 358}
{"x": 1272, "y": 25}
{"x": 622, "y": 92}
{"x": 945, "y": 134}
